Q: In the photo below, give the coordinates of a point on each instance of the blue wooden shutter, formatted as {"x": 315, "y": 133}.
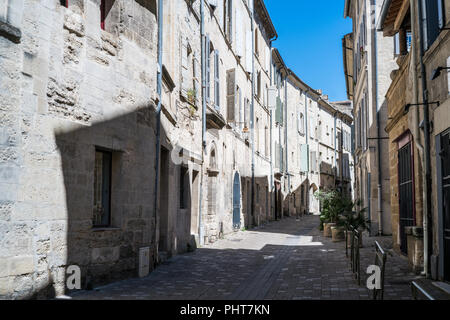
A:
{"x": 216, "y": 80}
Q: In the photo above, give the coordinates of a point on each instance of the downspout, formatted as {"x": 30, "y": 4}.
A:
{"x": 427, "y": 226}
{"x": 307, "y": 146}
{"x": 286, "y": 140}
{"x": 158, "y": 122}
{"x": 417, "y": 137}
{"x": 335, "y": 147}
{"x": 272, "y": 184}
{"x": 377, "y": 105}
{"x": 202, "y": 32}
{"x": 252, "y": 116}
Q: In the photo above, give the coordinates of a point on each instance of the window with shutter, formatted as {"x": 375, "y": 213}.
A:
{"x": 238, "y": 31}
{"x": 248, "y": 52}
{"x": 239, "y": 115}
{"x": 304, "y": 158}
{"x": 434, "y": 20}
{"x": 277, "y": 155}
{"x": 229, "y": 19}
{"x": 247, "y": 113}
{"x": 184, "y": 66}
{"x": 279, "y": 111}
{"x": 231, "y": 95}
{"x": 216, "y": 80}
{"x": 208, "y": 69}
{"x": 195, "y": 76}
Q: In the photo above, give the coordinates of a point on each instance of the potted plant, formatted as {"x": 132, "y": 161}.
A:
{"x": 191, "y": 95}
{"x": 351, "y": 217}
{"x": 329, "y": 210}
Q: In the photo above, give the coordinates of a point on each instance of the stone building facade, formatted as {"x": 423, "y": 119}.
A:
{"x": 129, "y": 135}
{"x": 418, "y": 128}
{"x": 368, "y": 61}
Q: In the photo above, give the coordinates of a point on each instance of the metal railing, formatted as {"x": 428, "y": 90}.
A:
{"x": 380, "y": 261}
{"x": 354, "y": 254}
{"x": 417, "y": 291}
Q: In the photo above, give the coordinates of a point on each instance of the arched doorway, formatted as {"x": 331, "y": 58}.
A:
{"x": 313, "y": 201}
{"x": 236, "y": 202}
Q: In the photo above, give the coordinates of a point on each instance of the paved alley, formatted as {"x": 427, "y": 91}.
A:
{"x": 287, "y": 259}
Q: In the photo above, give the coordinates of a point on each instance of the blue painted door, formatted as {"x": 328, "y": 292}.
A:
{"x": 236, "y": 202}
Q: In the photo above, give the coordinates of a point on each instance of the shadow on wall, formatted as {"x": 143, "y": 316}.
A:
{"x": 109, "y": 178}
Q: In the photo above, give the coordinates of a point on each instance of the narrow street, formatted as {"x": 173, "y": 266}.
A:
{"x": 286, "y": 260}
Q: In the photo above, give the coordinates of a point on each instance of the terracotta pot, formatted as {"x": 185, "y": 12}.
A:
{"x": 327, "y": 229}
{"x": 337, "y": 234}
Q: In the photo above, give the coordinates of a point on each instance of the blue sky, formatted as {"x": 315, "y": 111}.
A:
{"x": 310, "y": 41}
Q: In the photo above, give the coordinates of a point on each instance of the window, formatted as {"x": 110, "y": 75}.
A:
{"x": 4, "y": 10}
{"x": 102, "y": 189}
{"x": 64, "y": 3}
{"x": 257, "y": 193}
{"x": 258, "y": 85}
{"x": 208, "y": 68}
{"x": 256, "y": 43}
{"x": 433, "y": 20}
{"x": 228, "y": 19}
{"x": 184, "y": 187}
{"x": 301, "y": 121}
{"x": 102, "y": 14}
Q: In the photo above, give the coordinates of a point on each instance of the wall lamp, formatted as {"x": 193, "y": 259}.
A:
{"x": 409, "y": 105}
{"x": 437, "y": 72}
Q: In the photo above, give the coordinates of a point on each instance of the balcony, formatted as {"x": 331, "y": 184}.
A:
{"x": 214, "y": 120}
{"x": 400, "y": 91}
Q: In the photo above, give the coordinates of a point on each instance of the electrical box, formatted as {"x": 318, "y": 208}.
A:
{"x": 144, "y": 261}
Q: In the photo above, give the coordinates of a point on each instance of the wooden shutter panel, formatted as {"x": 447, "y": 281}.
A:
{"x": 248, "y": 52}
{"x": 267, "y": 56}
{"x": 304, "y": 158}
{"x": 230, "y": 21}
{"x": 208, "y": 69}
{"x": 239, "y": 33}
{"x": 195, "y": 72}
{"x": 184, "y": 66}
{"x": 216, "y": 80}
{"x": 279, "y": 111}
{"x": 231, "y": 95}
{"x": 277, "y": 155}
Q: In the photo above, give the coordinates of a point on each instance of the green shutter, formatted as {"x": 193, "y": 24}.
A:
{"x": 279, "y": 111}
{"x": 304, "y": 157}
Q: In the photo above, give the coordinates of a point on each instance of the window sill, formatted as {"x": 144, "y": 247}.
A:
{"x": 10, "y": 32}
{"x": 101, "y": 229}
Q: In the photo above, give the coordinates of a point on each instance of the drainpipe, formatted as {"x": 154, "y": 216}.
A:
{"x": 272, "y": 184}
{"x": 377, "y": 104}
{"x": 417, "y": 137}
{"x": 158, "y": 120}
{"x": 307, "y": 145}
{"x": 252, "y": 116}
{"x": 286, "y": 139}
{"x": 202, "y": 31}
{"x": 427, "y": 222}
{"x": 335, "y": 147}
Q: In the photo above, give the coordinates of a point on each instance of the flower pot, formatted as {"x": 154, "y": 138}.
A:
{"x": 327, "y": 229}
{"x": 337, "y": 234}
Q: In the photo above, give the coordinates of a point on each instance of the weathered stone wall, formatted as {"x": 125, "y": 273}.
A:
{"x": 71, "y": 87}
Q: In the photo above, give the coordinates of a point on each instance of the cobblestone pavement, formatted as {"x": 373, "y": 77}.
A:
{"x": 283, "y": 260}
